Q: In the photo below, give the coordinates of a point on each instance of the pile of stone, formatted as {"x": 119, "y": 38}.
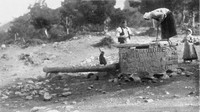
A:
{"x": 5, "y": 56}
{"x": 170, "y": 73}
{"x": 146, "y": 77}
{"x": 26, "y": 58}
{"x": 34, "y": 89}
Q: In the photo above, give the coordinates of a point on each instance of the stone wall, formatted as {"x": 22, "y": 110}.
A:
{"x": 151, "y": 60}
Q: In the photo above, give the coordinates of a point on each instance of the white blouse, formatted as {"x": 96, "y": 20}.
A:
{"x": 126, "y": 30}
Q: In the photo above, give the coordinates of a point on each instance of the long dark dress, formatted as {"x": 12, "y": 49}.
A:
{"x": 168, "y": 28}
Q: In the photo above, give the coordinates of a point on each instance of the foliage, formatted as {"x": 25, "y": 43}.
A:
{"x": 88, "y": 16}
{"x": 42, "y": 16}
{"x": 3, "y": 37}
{"x": 86, "y": 12}
{"x": 174, "y": 5}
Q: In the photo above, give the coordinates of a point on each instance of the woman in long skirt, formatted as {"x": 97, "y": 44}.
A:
{"x": 189, "y": 52}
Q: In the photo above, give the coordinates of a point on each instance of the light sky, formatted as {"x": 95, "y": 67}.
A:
{"x": 10, "y": 9}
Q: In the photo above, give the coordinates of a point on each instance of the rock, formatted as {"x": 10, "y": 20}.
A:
{"x": 34, "y": 92}
{"x": 128, "y": 102}
{"x": 56, "y": 77}
{"x": 115, "y": 80}
{"x": 65, "y": 102}
{"x": 140, "y": 97}
{"x": 18, "y": 87}
{"x": 89, "y": 88}
{"x": 92, "y": 86}
{"x": 6, "y": 104}
{"x": 19, "y": 83}
{"x": 173, "y": 74}
{"x": 55, "y": 44}
{"x": 169, "y": 71}
{"x": 166, "y": 92}
{"x": 76, "y": 111}
{"x": 47, "y": 96}
{"x": 191, "y": 93}
{"x": 165, "y": 76}
{"x": 36, "y": 109}
{"x": 14, "y": 74}
{"x": 90, "y": 75}
{"x": 183, "y": 73}
{"x": 181, "y": 69}
{"x": 45, "y": 89}
{"x": 110, "y": 80}
{"x": 136, "y": 78}
{"x": 104, "y": 92}
{"x": 75, "y": 38}
{"x": 3, "y": 46}
{"x": 176, "y": 96}
{"x": 41, "y": 92}
{"x": 4, "y": 97}
{"x": 69, "y": 107}
{"x": 66, "y": 89}
{"x": 38, "y": 87}
{"x": 43, "y": 45}
{"x": 29, "y": 98}
{"x": 46, "y": 81}
{"x": 54, "y": 94}
{"x": 52, "y": 111}
{"x": 65, "y": 94}
{"x": 159, "y": 75}
{"x": 73, "y": 102}
{"x": 148, "y": 100}
{"x": 39, "y": 77}
{"x": 30, "y": 82}
{"x": 188, "y": 73}
{"x": 57, "y": 88}
{"x": 18, "y": 93}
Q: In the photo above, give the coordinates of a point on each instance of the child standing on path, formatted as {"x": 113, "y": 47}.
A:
{"x": 189, "y": 51}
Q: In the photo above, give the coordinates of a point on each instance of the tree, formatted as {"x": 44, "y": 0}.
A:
{"x": 20, "y": 26}
{"x": 69, "y": 10}
{"x": 43, "y": 17}
{"x": 85, "y": 12}
{"x": 176, "y": 6}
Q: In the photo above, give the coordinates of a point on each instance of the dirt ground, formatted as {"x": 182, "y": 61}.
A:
{"x": 176, "y": 94}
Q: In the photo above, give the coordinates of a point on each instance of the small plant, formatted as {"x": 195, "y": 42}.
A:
{"x": 105, "y": 42}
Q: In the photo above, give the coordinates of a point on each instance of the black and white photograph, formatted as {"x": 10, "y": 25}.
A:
{"x": 99, "y": 55}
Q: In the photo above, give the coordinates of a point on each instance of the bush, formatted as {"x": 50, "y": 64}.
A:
{"x": 3, "y": 37}
{"x": 105, "y": 42}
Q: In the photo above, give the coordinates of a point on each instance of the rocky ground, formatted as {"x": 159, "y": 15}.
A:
{"x": 25, "y": 88}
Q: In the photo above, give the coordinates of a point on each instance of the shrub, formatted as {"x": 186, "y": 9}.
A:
{"x": 105, "y": 42}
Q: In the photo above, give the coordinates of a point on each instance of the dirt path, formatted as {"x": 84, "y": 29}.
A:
{"x": 169, "y": 105}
